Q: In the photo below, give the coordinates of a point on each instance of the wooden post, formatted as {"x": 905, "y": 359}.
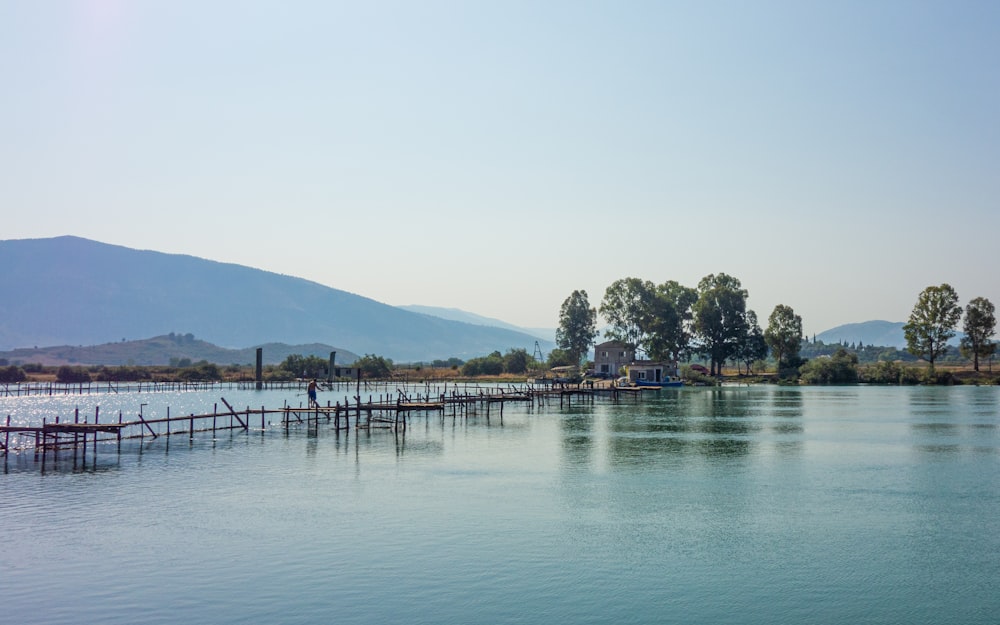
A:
{"x": 143, "y": 421}
{"x": 232, "y": 414}
{"x": 333, "y": 358}
{"x": 259, "y": 377}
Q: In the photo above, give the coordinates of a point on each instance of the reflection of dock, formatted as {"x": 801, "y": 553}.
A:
{"x": 55, "y": 436}
{"x": 390, "y": 410}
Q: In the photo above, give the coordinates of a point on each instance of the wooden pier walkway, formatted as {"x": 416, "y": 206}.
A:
{"x": 28, "y": 389}
{"x": 389, "y": 410}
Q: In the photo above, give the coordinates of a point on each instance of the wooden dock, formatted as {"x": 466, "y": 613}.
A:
{"x": 391, "y": 410}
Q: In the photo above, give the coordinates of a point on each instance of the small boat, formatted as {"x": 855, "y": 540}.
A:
{"x": 667, "y": 382}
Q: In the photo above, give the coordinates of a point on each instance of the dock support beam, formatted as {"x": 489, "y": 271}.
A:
{"x": 259, "y": 377}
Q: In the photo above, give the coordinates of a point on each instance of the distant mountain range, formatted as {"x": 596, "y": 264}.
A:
{"x": 68, "y": 291}
{"x": 879, "y": 333}
{"x": 161, "y": 350}
{"x": 882, "y": 333}
{"x": 74, "y": 291}
{"x": 455, "y": 314}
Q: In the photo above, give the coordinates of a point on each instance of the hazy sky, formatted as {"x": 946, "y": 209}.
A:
{"x": 836, "y": 157}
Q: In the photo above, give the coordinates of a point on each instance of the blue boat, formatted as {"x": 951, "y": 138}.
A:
{"x": 667, "y": 382}
{"x": 653, "y": 373}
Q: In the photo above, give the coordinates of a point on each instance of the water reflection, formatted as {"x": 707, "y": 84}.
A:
{"x": 718, "y": 423}
{"x": 931, "y": 400}
{"x": 938, "y": 429}
{"x": 785, "y": 410}
{"x": 939, "y": 449}
{"x": 950, "y": 420}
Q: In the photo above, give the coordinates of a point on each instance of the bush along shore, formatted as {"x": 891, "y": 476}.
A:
{"x": 842, "y": 367}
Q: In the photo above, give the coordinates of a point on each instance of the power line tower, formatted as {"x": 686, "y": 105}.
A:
{"x": 537, "y": 355}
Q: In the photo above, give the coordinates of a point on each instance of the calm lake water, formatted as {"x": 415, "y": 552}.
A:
{"x": 735, "y": 505}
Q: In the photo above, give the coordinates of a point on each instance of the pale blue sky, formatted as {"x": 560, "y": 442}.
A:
{"x": 837, "y": 157}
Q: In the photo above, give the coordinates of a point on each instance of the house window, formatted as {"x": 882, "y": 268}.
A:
{"x": 604, "y": 354}
{"x": 604, "y": 369}
{"x": 621, "y": 354}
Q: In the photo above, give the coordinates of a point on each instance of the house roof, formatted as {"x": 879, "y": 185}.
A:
{"x": 614, "y": 344}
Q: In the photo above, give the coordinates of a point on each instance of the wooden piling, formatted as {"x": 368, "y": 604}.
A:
{"x": 259, "y": 371}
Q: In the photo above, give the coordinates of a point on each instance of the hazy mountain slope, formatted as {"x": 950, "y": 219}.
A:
{"x": 888, "y": 333}
{"x": 456, "y": 314}
{"x": 881, "y": 333}
{"x": 159, "y": 350}
{"x": 68, "y": 290}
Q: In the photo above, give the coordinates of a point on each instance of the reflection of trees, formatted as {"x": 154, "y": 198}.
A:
{"x": 786, "y": 411}
{"x": 933, "y": 416}
{"x": 951, "y": 419}
{"x": 931, "y": 401}
{"x": 577, "y": 438}
{"x": 708, "y": 423}
{"x": 982, "y": 402}
{"x": 704, "y": 423}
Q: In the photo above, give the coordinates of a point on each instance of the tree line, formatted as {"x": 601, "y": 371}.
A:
{"x": 668, "y": 321}
{"x": 935, "y": 317}
{"x": 671, "y": 321}
{"x": 293, "y": 367}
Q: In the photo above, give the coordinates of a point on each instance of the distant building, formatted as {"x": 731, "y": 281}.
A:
{"x": 611, "y": 357}
{"x": 651, "y": 370}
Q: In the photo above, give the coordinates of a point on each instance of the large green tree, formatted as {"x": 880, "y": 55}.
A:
{"x": 626, "y": 307}
{"x": 668, "y": 321}
{"x": 980, "y": 324}
{"x": 752, "y": 346}
{"x": 12, "y": 373}
{"x": 373, "y": 366}
{"x": 720, "y": 317}
{"x": 577, "y": 325}
{"x": 932, "y": 322}
{"x": 305, "y": 366}
{"x": 655, "y": 319}
{"x": 840, "y": 368}
{"x": 784, "y": 334}
{"x": 516, "y": 360}
{"x": 560, "y": 358}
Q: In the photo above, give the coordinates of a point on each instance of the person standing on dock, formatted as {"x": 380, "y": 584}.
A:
{"x": 311, "y": 390}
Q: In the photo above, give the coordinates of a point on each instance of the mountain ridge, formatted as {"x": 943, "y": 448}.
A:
{"x": 161, "y": 350}
{"x": 75, "y": 291}
{"x": 876, "y": 332}
{"x": 457, "y": 314}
